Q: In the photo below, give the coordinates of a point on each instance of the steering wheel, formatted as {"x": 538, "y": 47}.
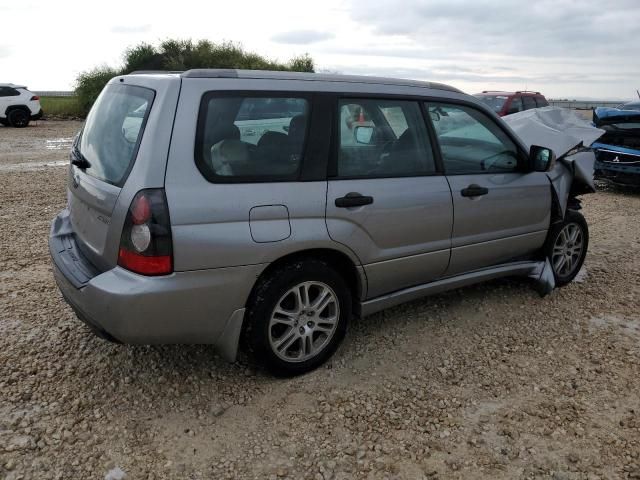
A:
{"x": 487, "y": 163}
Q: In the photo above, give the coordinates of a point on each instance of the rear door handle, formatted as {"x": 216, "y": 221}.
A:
{"x": 353, "y": 199}
{"x": 474, "y": 190}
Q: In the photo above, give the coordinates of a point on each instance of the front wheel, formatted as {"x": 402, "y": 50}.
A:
{"x": 566, "y": 247}
{"x": 297, "y": 317}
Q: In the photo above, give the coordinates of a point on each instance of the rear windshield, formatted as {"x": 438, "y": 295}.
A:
{"x": 113, "y": 130}
{"x": 494, "y": 102}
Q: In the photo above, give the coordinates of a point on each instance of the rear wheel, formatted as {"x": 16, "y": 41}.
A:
{"x": 297, "y": 317}
{"x": 18, "y": 118}
{"x": 566, "y": 247}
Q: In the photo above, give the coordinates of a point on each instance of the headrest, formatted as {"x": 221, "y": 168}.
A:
{"x": 227, "y": 155}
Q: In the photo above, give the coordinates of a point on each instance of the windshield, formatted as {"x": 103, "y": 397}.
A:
{"x": 631, "y": 106}
{"x": 113, "y": 130}
{"x": 494, "y": 102}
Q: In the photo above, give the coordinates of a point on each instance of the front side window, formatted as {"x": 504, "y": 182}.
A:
{"x": 494, "y": 102}
{"x": 251, "y": 138}
{"x": 382, "y": 138}
{"x": 471, "y": 142}
{"x": 113, "y": 130}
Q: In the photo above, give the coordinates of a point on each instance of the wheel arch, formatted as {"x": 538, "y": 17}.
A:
{"x": 10, "y": 108}
{"x": 340, "y": 261}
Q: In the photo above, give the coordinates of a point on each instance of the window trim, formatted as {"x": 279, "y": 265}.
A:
{"x": 332, "y": 171}
{"x": 212, "y": 177}
{"x": 523, "y": 156}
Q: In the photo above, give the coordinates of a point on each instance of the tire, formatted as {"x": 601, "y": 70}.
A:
{"x": 19, "y": 118}
{"x": 285, "y": 331}
{"x": 566, "y": 247}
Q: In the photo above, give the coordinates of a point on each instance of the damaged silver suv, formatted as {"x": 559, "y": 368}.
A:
{"x": 266, "y": 209}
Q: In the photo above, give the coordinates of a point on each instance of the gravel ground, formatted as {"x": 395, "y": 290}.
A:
{"x": 487, "y": 382}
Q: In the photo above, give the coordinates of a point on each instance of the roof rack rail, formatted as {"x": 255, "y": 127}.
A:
{"x": 303, "y": 76}
{"x": 528, "y": 91}
{"x": 151, "y": 72}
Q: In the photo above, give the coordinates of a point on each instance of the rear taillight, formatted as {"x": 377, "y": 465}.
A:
{"x": 35, "y": 97}
{"x": 146, "y": 245}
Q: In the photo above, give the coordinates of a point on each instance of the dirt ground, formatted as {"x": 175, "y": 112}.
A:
{"x": 487, "y": 382}
{"x": 42, "y": 141}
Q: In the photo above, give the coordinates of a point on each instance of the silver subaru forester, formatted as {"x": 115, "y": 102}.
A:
{"x": 266, "y": 209}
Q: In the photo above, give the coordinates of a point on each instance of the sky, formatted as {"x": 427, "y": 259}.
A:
{"x": 563, "y": 48}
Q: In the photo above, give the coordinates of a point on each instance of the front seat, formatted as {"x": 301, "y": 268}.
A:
{"x": 403, "y": 156}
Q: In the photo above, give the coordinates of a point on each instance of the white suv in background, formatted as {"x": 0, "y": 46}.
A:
{"x": 18, "y": 106}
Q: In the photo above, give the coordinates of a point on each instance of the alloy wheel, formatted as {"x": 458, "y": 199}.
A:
{"x": 304, "y": 321}
{"x": 567, "y": 250}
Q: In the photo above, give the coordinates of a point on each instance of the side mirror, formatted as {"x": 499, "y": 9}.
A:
{"x": 542, "y": 158}
{"x": 363, "y": 134}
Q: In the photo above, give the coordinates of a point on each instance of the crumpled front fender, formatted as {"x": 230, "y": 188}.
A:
{"x": 571, "y": 176}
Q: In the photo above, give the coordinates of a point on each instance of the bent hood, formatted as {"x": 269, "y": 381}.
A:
{"x": 567, "y": 134}
{"x": 606, "y": 116}
{"x": 559, "y": 129}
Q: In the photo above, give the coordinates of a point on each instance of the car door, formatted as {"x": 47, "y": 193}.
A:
{"x": 385, "y": 199}
{"x": 501, "y": 210}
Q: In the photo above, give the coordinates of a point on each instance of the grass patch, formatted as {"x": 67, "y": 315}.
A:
{"x": 66, "y": 107}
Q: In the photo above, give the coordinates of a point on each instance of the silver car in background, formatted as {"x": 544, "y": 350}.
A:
{"x": 266, "y": 209}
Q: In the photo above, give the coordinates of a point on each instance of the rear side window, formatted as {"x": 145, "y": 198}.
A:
{"x": 541, "y": 102}
{"x": 113, "y": 130}
{"x": 529, "y": 103}
{"x": 382, "y": 138}
{"x": 251, "y": 138}
{"x": 8, "y": 92}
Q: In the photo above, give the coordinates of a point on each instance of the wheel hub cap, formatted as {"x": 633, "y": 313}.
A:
{"x": 303, "y": 321}
{"x": 567, "y": 250}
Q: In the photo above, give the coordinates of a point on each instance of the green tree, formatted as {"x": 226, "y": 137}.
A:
{"x": 178, "y": 55}
{"x": 89, "y": 85}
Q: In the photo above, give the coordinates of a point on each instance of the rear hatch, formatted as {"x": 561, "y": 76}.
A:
{"x": 102, "y": 157}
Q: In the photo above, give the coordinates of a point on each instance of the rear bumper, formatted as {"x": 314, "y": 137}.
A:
{"x": 37, "y": 116}
{"x": 205, "y": 306}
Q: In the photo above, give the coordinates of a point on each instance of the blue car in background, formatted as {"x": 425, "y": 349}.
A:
{"x": 618, "y": 150}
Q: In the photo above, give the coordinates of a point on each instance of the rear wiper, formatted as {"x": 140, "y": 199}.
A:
{"x": 78, "y": 159}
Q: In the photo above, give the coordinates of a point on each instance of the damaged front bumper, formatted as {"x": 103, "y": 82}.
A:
{"x": 617, "y": 165}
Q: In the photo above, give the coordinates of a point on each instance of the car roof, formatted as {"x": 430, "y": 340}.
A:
{"x": 300, "y": 76}
{"x": 12, "y": 85}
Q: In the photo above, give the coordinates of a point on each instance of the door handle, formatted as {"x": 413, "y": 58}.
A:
{"x": 353, "y": 199}
{"x": 474, "y": 190}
